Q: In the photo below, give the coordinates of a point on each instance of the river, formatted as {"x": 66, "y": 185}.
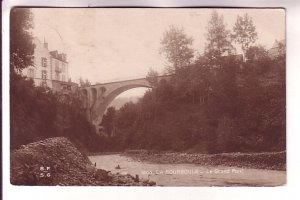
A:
{"x": 189, "y": 174}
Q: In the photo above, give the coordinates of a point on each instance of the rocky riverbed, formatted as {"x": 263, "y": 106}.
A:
{"x": 267, "y": 160}
{"x": 56, "y": 161}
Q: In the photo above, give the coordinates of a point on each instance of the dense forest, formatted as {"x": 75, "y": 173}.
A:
{"x": 215, "y": 102}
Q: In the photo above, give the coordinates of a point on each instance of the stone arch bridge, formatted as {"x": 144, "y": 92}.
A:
{"x": 96, "y": 98}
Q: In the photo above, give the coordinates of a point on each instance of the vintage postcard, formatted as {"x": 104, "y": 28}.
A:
{"x": 147, "y": 96}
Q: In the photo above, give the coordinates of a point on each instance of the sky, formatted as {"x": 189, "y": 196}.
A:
{"x": 107, "y": 44}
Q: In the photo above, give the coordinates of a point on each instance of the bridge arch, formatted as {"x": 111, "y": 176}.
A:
{"x": 96, "y": 98}
{"x": 110, "y": 97}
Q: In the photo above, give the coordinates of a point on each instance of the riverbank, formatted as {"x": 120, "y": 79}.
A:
{"x": 267, "y": 160}
{"x": 102, "y": 153}
{"x": 56, "y": 161}
{"x": 187, "y": 174}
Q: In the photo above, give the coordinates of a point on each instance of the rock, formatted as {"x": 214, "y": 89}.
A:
{"x": 56, "y": 161}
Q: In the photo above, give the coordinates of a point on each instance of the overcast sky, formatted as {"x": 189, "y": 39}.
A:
{"x": 111, "y": 43}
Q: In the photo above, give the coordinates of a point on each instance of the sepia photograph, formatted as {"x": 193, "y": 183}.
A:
{"x": 147, "y": 96}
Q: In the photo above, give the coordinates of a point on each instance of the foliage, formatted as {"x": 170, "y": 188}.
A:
{"x": 108, "y": 119}
{"x": 37, "y": 113}
{"x": 21, "y": 45}
{"x": 176, "y": 46}
{"x": 83, "y": 83}
{"x": 152, "y": 77}
{"x": 256, "y": 53}
{"x": 218, "y": 39}
{"x": 244, "y": 32}
{"x": 225, "y": 109}
{"x": 258, "y": 59}
{"x": 214, "y": 104}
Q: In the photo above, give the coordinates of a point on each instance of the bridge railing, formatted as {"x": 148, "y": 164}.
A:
{"x": 125, "y": 79}
{"x": 120, "y": 79}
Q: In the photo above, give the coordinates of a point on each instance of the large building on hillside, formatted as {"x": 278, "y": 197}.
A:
{"x": 50, "y": 68}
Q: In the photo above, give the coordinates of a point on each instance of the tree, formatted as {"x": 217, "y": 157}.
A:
{"x": 256, "y": 53}
{"x": 126, "y": 115}
{"x": 218, "y": 39}
{"x": 83, "y": 83}
{"x": 281, "y": 49}
{"x": 258, "y": 59}
{"x": 152, "y": 77}
{"x": 244, "y": 32}
{"x": 176, "y": 46}
{"x": 21, "y": 45}
{"x": 199, "y": 78}
{"x": 108, "y": 120}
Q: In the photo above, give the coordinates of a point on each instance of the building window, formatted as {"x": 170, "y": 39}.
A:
{"x": 44, "y": 74}
{"x": 56, "y": 64}
{"x": 57, "y": 76}
{"x": 63, "y": 67}
{"x": 31, "y": 73}
{"x": 44, "y": 62}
